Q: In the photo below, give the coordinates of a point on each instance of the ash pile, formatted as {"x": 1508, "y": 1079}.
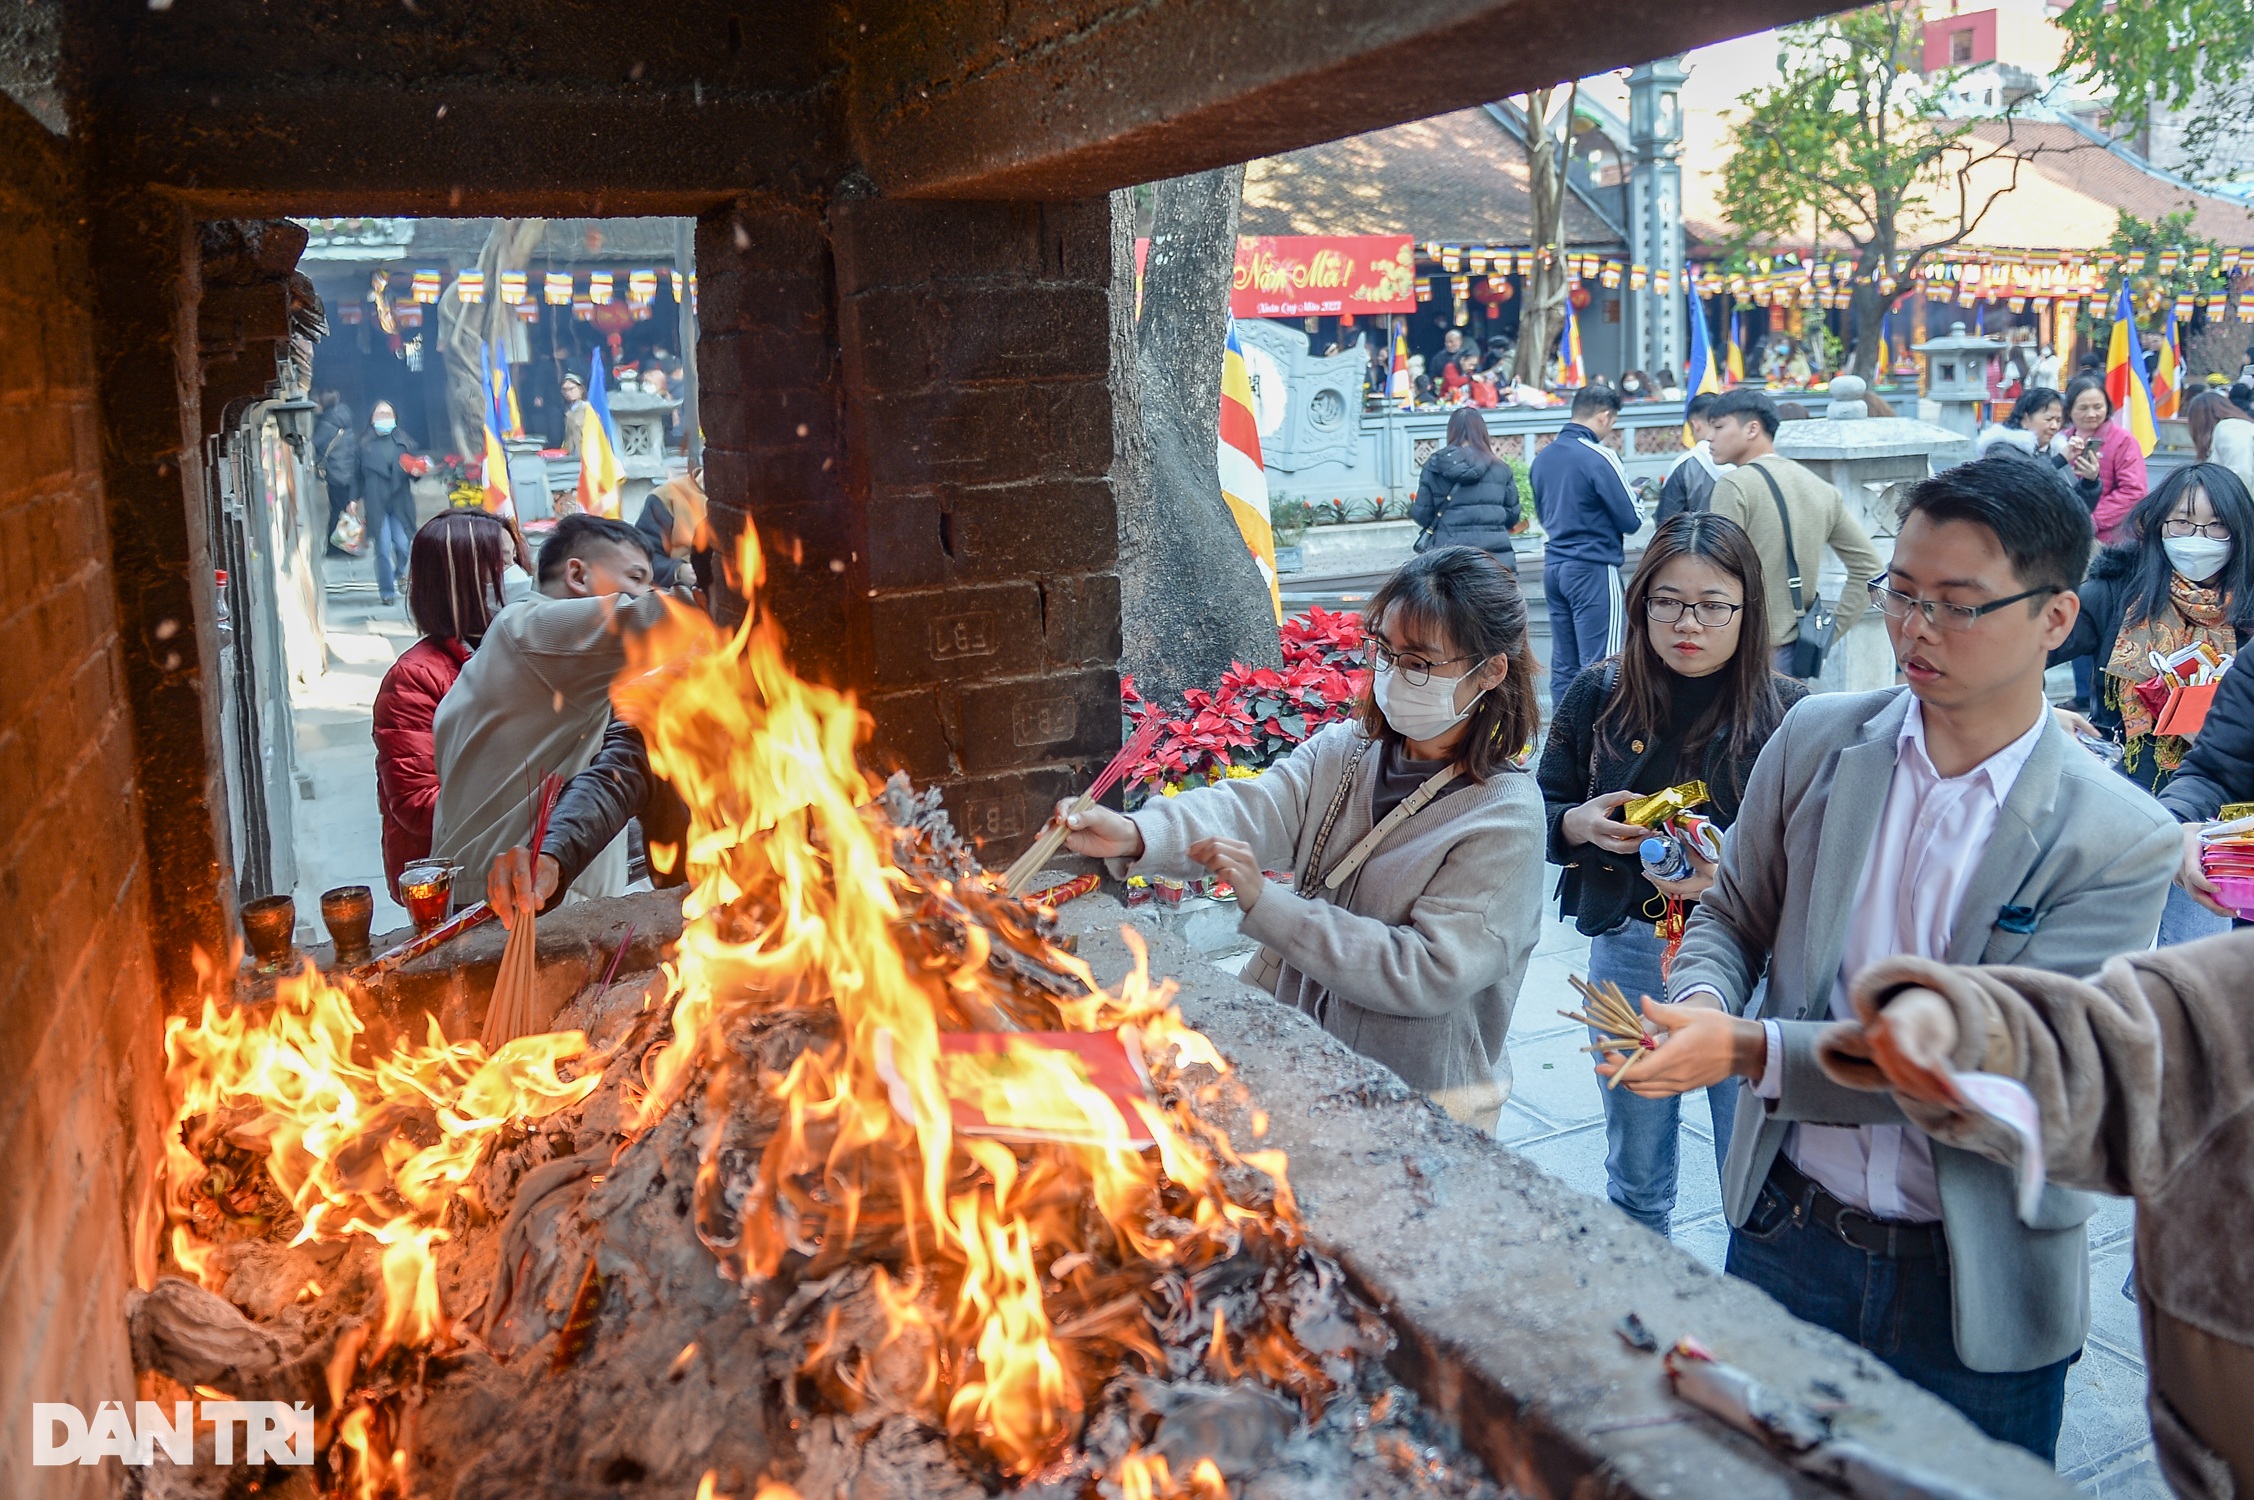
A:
{"x": 819, "y": 1209}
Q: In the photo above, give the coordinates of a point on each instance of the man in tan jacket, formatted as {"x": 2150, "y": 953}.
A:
{"x": 2144, "y": 1078}
{"x": 1765, "y": 482}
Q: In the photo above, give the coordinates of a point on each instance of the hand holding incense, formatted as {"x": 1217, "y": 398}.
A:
{"x": 1053, "y": 833}
{"x": 1625, "y": 1035}
{"x": 509, "y": 1014}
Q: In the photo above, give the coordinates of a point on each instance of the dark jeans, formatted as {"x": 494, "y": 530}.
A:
{"x": 1898, "y": 1309}
{"x": 1585, "y": 618}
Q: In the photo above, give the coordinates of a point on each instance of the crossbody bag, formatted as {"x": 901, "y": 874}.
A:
{"x": 1817, "y": 626}
{"x": 1267, "y": 964}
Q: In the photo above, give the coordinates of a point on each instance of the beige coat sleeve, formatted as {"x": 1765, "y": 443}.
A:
{"x": 1852, "y": 546}
{"x": 2134, "y": 1071}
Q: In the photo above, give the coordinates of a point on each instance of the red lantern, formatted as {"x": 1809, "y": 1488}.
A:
{"x": 1579, "y": 295}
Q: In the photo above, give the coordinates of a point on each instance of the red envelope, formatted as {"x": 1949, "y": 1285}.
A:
{"x": 2154, "y": 693}
{"x": 2186, "y": 712}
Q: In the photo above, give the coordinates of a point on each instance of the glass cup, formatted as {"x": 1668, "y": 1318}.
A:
{"x": 427, "y": 888}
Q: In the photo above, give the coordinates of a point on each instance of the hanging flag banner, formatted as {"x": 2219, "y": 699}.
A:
{"x": 601, "y": 476}
{"x": 470, "y": 287}
{"x": 556, "y": 289}
{"x": 1311, "y": 276}
{"x": 512, "y": 287}
{"x": 1244, "y": 481}
{"x": 599, "y": 288}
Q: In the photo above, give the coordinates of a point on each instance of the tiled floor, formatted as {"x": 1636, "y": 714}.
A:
{"x": 1557, "y": 1119}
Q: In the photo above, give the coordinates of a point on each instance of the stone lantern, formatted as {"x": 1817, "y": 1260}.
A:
{"x": 1956, "y": 377}
{"x": 644, "y": 421}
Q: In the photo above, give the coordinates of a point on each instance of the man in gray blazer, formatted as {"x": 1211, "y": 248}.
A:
{"x": 1955, "y": 820}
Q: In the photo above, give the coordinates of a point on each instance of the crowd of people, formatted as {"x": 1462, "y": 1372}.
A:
{"x": 1902, "y": 882}
{"x": 1954, "y": 851}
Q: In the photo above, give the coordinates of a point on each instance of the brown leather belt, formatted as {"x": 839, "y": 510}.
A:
{"x": 1812, "y": 1203}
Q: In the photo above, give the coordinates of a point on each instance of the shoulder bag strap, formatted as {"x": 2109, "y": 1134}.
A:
{"x": 1791, "y": 555}
{"x": 1410, "y": 806}
{"x": 1338, "y": 798}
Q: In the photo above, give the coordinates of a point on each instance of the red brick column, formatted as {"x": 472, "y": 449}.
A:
{"x": 912, "y": 401}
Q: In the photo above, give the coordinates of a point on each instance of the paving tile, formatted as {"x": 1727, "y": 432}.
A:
{"x": 1559, "y": 935}
{"x": 2113, "y": 1223}
{"x": 1519, "y": 1124}
{"x": 1546, "y": 990}
{"x": 2134, "y": 1475}
{"x": 2113, "y": 1317}
{"x": 1556, "y": 1079}
{"x": 2104, "y": 1411}
{"x": 1707, "y": 1238}
{"x": 1575, "y": 1157}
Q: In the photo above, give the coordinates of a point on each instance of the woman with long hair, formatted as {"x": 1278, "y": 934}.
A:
{"x": 458, "y": 578}
{"x": 2182, "y": 576}
{"x": 2102, "y": 458}
{"x": 1413, "y": 835}
{"x": 1690, "y": 697}
{"x": 1467, "y": 495}
{"x": 2221, "y": 434}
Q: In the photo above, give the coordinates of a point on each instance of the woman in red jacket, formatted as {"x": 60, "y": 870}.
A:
{"x": 2102, "y": 457}
{"x": 454, "y": 589}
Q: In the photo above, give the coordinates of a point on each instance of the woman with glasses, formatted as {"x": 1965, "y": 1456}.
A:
{"x": 2179, "y": 578}
{"x": 1687, "y": 699}
{"x": 1413, "y": 837}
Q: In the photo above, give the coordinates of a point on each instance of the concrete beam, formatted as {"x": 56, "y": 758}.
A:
{"x": 1076, "y": 99}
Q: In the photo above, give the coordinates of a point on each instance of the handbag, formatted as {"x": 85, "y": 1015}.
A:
{"x": 1267, "y": 964}
{"x": 1426, "y": 537}
{"x": 1817, "y": 627}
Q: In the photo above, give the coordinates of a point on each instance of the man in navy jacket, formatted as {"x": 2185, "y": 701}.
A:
{"x": 1581, "y": 496}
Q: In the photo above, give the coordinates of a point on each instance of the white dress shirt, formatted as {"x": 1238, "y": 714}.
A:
{"x": 1931, "y": 836}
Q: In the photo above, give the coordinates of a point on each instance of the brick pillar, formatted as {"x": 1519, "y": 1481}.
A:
{"x": 912, "y": 402}
{"x": 82, "y": 1103}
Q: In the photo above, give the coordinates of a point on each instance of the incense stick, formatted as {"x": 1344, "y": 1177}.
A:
{"x": 508, "y": 1015}
{"x": 1053, "y": 834}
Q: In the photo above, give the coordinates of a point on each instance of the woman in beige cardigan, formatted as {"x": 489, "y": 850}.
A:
{"x": 1414, "y": 837}
{"x": 2144, "y": 1078}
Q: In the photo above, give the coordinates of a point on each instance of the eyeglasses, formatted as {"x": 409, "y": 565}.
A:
{"x": 2213, "y": 530}
{"x": 1414, "y": 670}
{"x": 1899, "y": 606}
{"x": 1712, "y": 613}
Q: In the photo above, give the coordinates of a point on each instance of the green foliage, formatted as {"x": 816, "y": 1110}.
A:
{"x": 2195, "y": 56}
{"x": 2139, "y": 244}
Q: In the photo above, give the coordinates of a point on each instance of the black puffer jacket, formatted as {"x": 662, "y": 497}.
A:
{"x": 2105, "y": 598}
{"x": 1598, "y": 886}
{"x": 1468, "y": 500}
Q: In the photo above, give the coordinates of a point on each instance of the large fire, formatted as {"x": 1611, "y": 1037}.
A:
{"x": 939, "y": 1143}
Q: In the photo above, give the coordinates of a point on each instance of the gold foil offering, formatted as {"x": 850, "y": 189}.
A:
{"x": 1651, "y": 811}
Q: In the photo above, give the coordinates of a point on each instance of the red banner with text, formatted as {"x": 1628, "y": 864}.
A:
{"x": 1309, "y": 276}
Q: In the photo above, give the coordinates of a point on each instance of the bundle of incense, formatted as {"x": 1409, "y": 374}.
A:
{"x": 1622, "y": 1025}
{"x": 423, "y": 942}
{"x": 1053, "y": 834}
{"x": 509, "y": 1014}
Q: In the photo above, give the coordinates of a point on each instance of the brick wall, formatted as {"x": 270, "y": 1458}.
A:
{"x": 81, "y": 1075}
{"x": 935, "y": 493}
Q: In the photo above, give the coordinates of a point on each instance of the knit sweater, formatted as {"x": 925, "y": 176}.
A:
{"x": 1416, "y": 961}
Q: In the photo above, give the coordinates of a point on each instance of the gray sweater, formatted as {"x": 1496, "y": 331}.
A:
{"x": 1418, "y": 961}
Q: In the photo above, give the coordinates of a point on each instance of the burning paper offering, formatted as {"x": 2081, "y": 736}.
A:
{"x": 1070, "y": 1088}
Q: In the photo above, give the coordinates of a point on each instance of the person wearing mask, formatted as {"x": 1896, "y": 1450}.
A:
{"x": 1414, "y": 836}
{"x": 2181, "y": 578}
{"x": 1691, "y": 697}
{"x": 535, "y": 697}
{"x": 2140, "y": 1084}
{"x": 1467, "y": 495}
{"x": 389, "y": 464}
{"x": 1581, "y": 497}
{"x": 1792, "y": 514}
{"x": 458, "y": 581}
{"x": 2221, "y": 434}
{"x": 1951, "y": 819}
{"x": 2034, "y": 420}
{"x": 1690, "y": 479}
{"x": 2102, "y": 457}
{"x": 336, "y": 459}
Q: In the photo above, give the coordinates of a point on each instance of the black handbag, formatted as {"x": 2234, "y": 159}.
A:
{"x": 1817, "y": 625}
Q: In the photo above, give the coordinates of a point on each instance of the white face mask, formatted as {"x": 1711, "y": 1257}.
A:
{"x": 2198, "y": 558}
{"x": 1419, "y": 713}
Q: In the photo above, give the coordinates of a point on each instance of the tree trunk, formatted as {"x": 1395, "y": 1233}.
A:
{"x": 1192, "y": 599}
{"x": 1542, "y": 313}
{"x": 465, "y": 331}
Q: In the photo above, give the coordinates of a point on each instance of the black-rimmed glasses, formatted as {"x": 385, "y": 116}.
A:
{"x": 1896, "y": 605}
{"x": 1414, "y": 670}
{"x": 1711, "y": 613}
{"x": 2215, "y": 531}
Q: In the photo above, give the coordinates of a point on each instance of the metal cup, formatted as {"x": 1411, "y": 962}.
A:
{"x": 348, "y": 912}
{"x": 268, "y": 924}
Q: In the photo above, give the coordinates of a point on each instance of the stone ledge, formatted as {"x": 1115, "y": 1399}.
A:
{"x": 1505, "y": 1284}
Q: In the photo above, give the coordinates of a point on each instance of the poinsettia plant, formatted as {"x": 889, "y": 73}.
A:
{"x": 1257, "y": 714}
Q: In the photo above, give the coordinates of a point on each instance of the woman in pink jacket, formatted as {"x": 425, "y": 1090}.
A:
{"x": 2102, "y": 457}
